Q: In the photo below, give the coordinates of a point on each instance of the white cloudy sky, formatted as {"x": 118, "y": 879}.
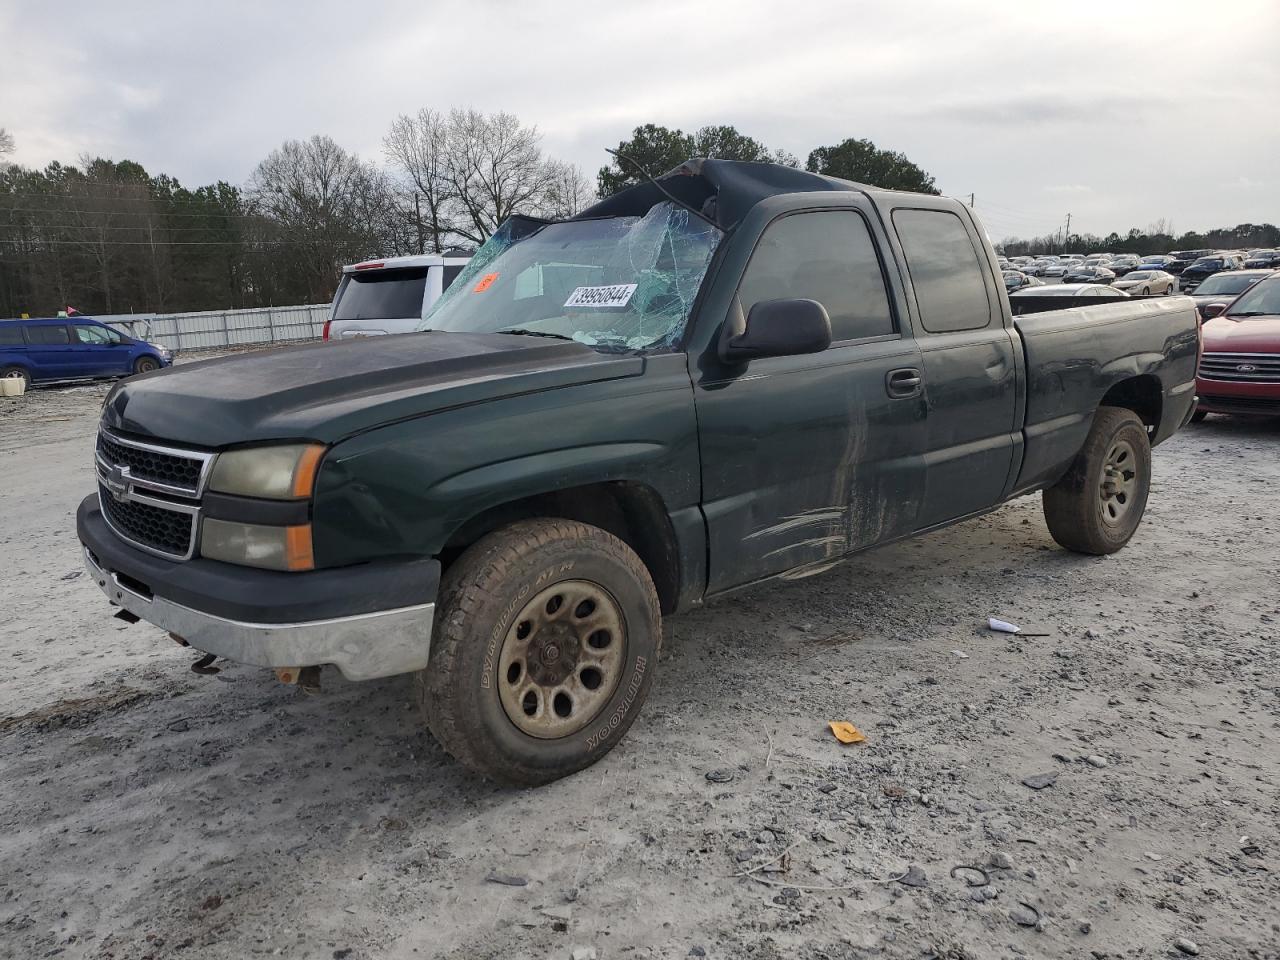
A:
{"x": 1119, "y": 113}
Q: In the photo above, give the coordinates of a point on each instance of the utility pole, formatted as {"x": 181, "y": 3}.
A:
{"x": 1068, "y": 226}
{"x": 971, "y": 201}
{"x": 417, "y": 218}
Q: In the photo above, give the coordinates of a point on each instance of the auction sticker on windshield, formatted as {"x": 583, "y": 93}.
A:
{"x": 617, "y": 295}
{"x": 485, "y": 283}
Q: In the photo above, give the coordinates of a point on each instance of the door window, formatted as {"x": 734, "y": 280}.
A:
{"x": 827, "y": 256}
{"x": 946, "y": 270}
{"x": 48, "y": 333}
{"x": 95, "y": 336}
{"x": 10, "y": 335}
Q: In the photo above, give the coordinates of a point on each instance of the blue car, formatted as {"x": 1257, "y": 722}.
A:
{"x": 73, "y": 348}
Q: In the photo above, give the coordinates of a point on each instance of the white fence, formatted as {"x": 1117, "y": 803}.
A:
{"x": 211, "y": 329}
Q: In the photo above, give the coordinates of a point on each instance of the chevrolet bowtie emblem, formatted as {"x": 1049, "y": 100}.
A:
{"x": 117, "y": 483}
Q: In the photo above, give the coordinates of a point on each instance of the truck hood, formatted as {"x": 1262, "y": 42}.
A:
{"x": 1250, "y": 335}
{"x": 329, "y": 391}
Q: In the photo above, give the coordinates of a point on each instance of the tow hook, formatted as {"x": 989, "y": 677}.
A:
{"x": 205, "y": 665}
{"x": 307, "y": 678}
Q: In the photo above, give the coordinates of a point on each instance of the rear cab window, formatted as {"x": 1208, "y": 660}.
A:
{"x": 382, "y": 294}
{"x": 827, "y": 256}
{"x": 946, "y": 270}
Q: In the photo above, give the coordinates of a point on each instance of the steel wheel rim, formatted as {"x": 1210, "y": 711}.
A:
{"x": 562, "y": 659}
{"x": 14, "y": 375}
{"x": 1119, "y": 485}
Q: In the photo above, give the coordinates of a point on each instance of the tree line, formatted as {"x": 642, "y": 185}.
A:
{"x": 109, "y": 237}
{"x": 106, "y": 236}
{"x": 1157, "y": 238}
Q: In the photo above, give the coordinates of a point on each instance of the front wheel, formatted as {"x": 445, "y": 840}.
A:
{"x": 146, "y": 365}
{"x": 1146, "y": 291}
{"x": 546, "y": 638}
{"x": 1097, "y": 506}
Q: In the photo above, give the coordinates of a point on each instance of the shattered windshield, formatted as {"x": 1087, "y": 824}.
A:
{"x": 619, "y": 283}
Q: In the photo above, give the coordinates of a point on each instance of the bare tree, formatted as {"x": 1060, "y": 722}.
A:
{"x": 7, "y": 145}
{"x": 568, "y": 191}
{"x": 495, "y": 168}
{"x": 470, "y": 171}
{"x": 321, "y": 197}
{"x": 417, "y": 147}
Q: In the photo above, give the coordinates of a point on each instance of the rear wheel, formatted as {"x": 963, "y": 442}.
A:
{"x": 16, "y": 373}
{"x": 547, "y": 635}
{"x": 1096, "y": 507}
{"x": 1169, "y": 291}
{"x": 146, "y": 365}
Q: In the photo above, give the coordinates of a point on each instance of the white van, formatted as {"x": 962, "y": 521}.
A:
{"x": 391, "y": 295}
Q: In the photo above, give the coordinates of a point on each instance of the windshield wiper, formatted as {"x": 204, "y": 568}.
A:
{"x": 520, "y": 332}
{"x": 1251, "y": 313}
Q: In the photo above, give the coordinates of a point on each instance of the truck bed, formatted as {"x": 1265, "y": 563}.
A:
{"x": 1079, "y": 349}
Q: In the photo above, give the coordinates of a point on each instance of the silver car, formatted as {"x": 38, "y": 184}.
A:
{"x": 390, "y": 295}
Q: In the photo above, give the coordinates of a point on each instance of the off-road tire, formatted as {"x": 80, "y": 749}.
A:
{"x": 16, "y": 372}
{"x": 483, "y": 596}
{"x": 1076, "y": 507}
{"x": 145, "y": 365}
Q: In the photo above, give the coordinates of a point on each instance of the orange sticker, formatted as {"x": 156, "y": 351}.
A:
{"x": 485, "y": 283}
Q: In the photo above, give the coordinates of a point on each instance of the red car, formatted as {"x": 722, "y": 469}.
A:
{"x": 1240, "y": 369}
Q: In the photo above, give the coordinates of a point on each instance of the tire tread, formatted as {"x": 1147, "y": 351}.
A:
{"x": 467, "y": 584}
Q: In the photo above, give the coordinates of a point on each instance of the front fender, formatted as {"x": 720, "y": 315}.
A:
{"x": 404, "y": 489}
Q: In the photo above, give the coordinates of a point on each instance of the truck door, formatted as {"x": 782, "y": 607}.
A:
{"x": 971, "y": 364}
{"x": 807, "y": 457}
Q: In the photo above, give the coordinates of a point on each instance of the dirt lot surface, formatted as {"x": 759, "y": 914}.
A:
{"x": 146, "y": 811}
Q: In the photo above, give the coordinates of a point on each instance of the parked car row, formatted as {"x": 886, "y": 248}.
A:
{"x": 1158, "y": 274}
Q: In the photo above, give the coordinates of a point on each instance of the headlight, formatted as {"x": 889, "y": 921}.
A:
{"x": 256, "y": 545}
{"x": 286, "y": 472}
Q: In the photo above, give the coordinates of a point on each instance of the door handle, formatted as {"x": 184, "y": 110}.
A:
{"x": 903, "y": 383}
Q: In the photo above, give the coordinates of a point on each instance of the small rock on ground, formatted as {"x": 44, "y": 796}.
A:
{"x": 1038, "y": 781}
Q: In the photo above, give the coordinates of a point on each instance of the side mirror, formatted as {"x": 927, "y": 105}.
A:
{"x": 1211, "y": 310}
{"x": 778, "y": 328}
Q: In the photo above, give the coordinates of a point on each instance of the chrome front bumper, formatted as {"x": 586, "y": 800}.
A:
{"x": 379, "y": 644}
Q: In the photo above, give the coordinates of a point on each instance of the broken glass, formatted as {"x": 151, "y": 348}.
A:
{"x": 617, "y": 283}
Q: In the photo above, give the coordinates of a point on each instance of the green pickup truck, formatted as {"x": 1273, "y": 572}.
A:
{"x": 732, "y": 373}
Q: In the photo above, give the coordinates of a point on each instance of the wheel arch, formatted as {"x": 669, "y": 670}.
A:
{"x": 1143, "y": 394}
{"x": 633, "y": 512}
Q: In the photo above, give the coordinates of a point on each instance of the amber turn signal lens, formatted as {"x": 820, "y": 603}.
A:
{"x": 304, "y": 475}
{"x": 298, "y": 553}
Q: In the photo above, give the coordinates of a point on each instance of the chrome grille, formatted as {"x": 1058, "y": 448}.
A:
{"x": 164, "y": 530}
{"x": 147, "y": 463}
{"x": 1246, "y": 367}
{"x": 150, "y": 493}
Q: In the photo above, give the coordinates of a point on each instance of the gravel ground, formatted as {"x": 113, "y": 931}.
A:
{"x": 146, "y": 811}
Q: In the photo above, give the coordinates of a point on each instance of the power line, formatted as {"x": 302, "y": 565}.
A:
{"x": 168, "y": 243}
